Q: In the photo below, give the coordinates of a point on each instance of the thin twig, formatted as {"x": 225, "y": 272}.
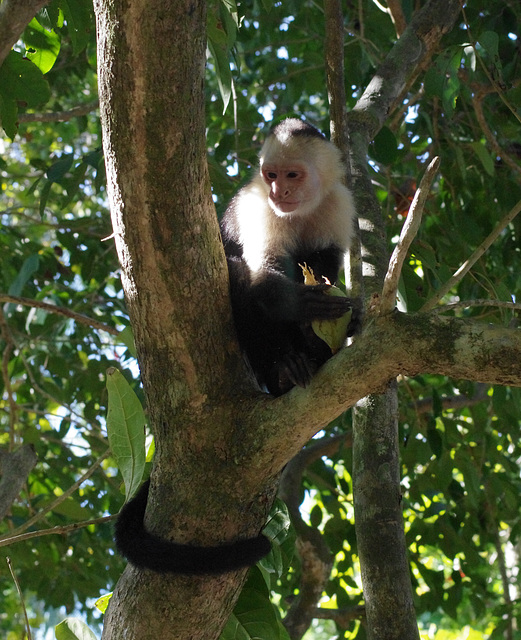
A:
{"x": 60, "y": 529}
{"x": 41, "y": 514}
{"x": 466, "y": 266}
{"x": 477, "y": 102}
{"x": 409, "y": 231}
{"x": 342, "y": 617}
{"x": 465, "y": 304}
{"x": 21, "y": 596}
{"x": 6, "y": 355}
{"x": 60, "y": 116}
{"x": 61, "y": 311}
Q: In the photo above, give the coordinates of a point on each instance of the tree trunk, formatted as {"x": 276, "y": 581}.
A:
{"x": 151, "y": 57}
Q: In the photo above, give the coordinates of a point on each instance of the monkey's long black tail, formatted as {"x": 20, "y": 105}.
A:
{"x": 147, "y": 551}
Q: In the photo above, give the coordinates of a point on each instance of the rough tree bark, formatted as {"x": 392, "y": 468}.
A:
{"x": 220, "y": 445}
{"x": 380, "y": 534}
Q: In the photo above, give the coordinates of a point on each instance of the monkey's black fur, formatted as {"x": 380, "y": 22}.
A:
{"x": 147, "y": 551}
{"x": 273, "y": 313}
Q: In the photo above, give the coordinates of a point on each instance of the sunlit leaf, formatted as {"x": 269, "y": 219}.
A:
{"x": 42, "y": 45}
{"x": 126, "y": 430}
{"x": 103, "y": 602}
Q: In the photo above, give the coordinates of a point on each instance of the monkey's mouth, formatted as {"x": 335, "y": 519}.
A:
{"x": 285, "y": 206}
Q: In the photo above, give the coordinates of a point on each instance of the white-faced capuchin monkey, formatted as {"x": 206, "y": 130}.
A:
{"x": 296, "y": 210}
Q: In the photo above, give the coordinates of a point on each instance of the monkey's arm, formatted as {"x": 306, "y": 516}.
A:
{"x": 283, "y": 300}
{"x": 147, "y": 551}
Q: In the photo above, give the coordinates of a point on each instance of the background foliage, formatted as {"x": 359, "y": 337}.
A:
{"x": 460, "y": 441}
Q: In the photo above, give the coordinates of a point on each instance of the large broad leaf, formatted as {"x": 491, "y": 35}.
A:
{"x": 21, "y": 82}
{"x": 29, "y": 267}
{"x": 282, "y": 535}
{"x": 42, "y": 45}
{"x": 126, "y": 430}
{"x": 254, "y": 615}
{"x": 73, "y": 629}
{"x": 78, "y": 16}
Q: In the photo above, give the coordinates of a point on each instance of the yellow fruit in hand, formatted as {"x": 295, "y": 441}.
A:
{"x": 332, "y": 332}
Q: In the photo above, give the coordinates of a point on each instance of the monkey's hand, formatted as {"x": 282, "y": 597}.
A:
{"x": 293, "y": 369}
{"x": 357, "y": 316}
{"x": 315, "y": 304}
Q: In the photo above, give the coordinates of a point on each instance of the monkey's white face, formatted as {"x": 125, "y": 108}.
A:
{"x": 294, "y": 187}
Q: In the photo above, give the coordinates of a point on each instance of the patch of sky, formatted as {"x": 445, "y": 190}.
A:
{"x": 286, "y": 22}
{"x": 233, "y": 169}
{"x": 266, "y": 111}
{"x": 412, "y": 114}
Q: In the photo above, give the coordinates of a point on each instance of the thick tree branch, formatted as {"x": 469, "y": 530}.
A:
{"x": 335, "y": 76}
{"x": 414, "y": 46}
{"x": 392, "y": 345}
{"x": 15, "y": 15}
{"x": 315, "y": 557}
{"x": 397, "y": 16}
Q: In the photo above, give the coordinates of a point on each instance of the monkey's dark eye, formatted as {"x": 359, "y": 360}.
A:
{"x": 271, "y": 175}
{"x": 292, "y": 174}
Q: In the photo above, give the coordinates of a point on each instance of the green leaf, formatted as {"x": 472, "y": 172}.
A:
{"x": 487, "y": 160}
{"x": 21, "y": 80}
{"x": 126, "y": 430}
{"x": 78, "y": 17}
{"x": 42, "y": 45}
{"x": 71, "y": 509}
{"x": 282, "y": 535}
{"x": 233, "y": 630}
{"x": 73, "y": 629}
{"x": 58, "y": 170}
{"x": 127, "y": 338}
{"x": 29, "y": 267}
{"x": 434, "y": 438}
{"x": 222, "y": 70}
{"x": 44, "y": 196}
{"x": 254, "y": 615}
{"x": 8, "y": 115}
{"x": 384, "y": 147}
{"x": 315, "y": 517}
{"x": 103, "y": 602}
{"x": 489, "y": 40}
{"x": 72, "y": 184}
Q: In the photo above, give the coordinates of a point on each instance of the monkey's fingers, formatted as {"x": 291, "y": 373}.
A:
{"x": 355, "y": 324}
{"x": 319, "y": 306}
{"x": 297, "y": 368}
